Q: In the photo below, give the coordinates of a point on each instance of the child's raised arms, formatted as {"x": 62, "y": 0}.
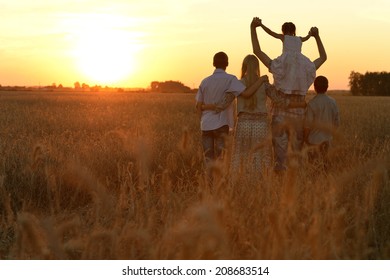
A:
{"x": 304, "y": 39}
{"x": 270, "y": 32}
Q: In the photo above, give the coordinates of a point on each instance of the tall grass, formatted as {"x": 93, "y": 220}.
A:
{"x": 120, "y": 176}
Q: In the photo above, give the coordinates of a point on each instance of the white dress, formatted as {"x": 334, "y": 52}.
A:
{"x": 292, "y": 71}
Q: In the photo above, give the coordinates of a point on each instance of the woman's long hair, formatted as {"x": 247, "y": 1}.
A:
{"x": 250, "y": 73}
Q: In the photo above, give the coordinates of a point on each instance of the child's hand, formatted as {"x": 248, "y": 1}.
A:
{"x": 256, "y": 22}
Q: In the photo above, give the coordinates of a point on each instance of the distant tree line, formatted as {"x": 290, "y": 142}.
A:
{"x": 370, "y": 83}
{"x": 163, "y": 87}
{"x": 169, "y": 87}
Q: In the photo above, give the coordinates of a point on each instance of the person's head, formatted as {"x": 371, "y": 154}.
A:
{"x": 250, "y": 67}
{"x": 321, "y": 84}
{"x": 220, "y": 60}
{"x": 288, "y": 28}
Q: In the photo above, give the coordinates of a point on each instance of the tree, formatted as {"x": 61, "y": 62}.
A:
{"x": 84, "y": 86}
{"x": 370, "y": 84}
{"x": 355, "y": 80}
{"x": 169, "y": 86}
{"x": 77, "y": 85}
{"x": 154, "y": 86}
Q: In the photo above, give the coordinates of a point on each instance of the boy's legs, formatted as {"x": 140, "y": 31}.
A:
{"x": 220, "y": 135}
{"x": 324, "y": 149}
{"x": 213, "y": 142}
{"x": 318, "y": 155}
{"x": 208, "y": 145}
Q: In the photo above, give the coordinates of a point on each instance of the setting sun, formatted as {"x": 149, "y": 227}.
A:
{"x": 105, "y": 50}
{"x": 104, "y": 57}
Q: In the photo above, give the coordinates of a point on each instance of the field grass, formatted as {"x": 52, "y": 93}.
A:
{"x": 120, "y": 176}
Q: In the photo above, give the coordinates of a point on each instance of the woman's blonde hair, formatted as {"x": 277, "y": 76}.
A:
{"x": 250, "y": 73}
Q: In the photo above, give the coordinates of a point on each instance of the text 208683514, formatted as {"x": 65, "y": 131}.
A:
{"x": 242, "y": 271}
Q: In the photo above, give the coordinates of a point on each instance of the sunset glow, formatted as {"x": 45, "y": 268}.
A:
{"x": 105, "y": 53}
{"x": 132, "y": 43}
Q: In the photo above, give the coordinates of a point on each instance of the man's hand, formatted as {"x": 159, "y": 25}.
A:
{"x": 264, "y": 79}
{"x": 314, "y": 31}
{"x": 255, "y": 22}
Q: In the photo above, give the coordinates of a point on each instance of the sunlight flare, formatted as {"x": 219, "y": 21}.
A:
{"x": 105, "y": 50}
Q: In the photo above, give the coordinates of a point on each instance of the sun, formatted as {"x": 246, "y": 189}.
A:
{"x": 104, "y": 58}
{"x": 105, "y": 54}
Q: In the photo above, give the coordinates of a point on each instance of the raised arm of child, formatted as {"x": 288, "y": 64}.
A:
{"x": 270, "y": 32}
{"x": 307, "y": 37}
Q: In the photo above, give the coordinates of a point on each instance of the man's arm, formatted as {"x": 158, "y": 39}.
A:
{"x": 319, "y": 61}
{"x": 249, "y": 91}
{"x": 225, "y": 102}
{"x": 209, "y": 107}
{"x": 256, "y": 45}
{"x": 198, "y": 108}
{"x": 229, "y": 97}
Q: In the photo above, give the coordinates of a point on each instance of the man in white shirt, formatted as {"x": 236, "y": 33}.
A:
{"x": 215, "y": 125}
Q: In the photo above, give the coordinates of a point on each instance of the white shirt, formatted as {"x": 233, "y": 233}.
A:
{"x": 322, "y": 117}
{"x": 211, "y": 91}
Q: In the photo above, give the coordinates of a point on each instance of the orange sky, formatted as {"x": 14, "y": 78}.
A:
{"x": 132, "y": 43}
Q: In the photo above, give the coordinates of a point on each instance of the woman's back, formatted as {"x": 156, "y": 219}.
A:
{"x": 254, "y": 104}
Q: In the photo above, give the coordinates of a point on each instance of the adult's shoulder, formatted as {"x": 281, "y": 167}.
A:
{"x": 243, "y": 81}
{"x": 315, "y": 100}
{"x": 231, "y": 76}
{"x": 233, "y": 79}
{"x": 333, "y": 101}
{"x": 206, "y": 79}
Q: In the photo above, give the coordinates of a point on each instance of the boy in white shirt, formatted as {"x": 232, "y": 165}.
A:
{"x": 321, "y": 120}
{"x": 215, "y": 126}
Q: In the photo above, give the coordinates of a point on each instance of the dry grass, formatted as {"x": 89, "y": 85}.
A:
{"x": 119, "y": 176}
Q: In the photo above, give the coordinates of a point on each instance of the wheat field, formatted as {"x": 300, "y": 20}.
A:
{"x": 120, "y": 176}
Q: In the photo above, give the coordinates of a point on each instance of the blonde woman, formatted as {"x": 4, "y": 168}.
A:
{"x": 251, "y": 152}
